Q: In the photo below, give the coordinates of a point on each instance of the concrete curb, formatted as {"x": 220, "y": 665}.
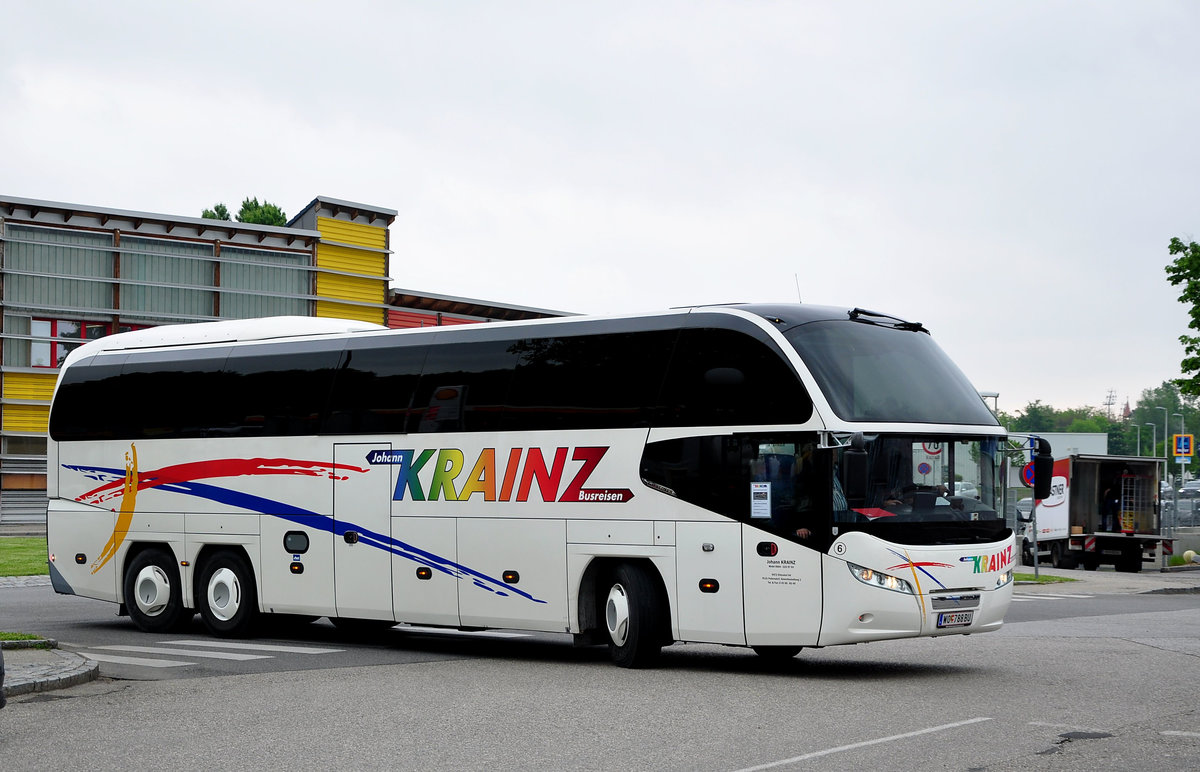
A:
{"x": 40, "y": 666}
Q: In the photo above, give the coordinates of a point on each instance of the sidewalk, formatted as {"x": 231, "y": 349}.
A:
{"x": 1106, "y": 580}
{"x": 38, "y": 666}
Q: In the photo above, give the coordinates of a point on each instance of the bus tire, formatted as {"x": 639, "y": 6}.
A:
{"x": 633, "y": 614}
{"x": 153, "y": 596}
{"x": 226, "y": 595}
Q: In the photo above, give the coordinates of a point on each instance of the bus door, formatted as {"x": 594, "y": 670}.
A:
{"x": 362, "y": 558}
{"x": 709, "y": 565}
{"x": 783, "y": 590}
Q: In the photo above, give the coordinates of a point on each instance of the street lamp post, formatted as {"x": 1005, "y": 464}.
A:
{"x": 1181, "y": 431}
{"x": 1182, "y": 476}
{"x": 1139, "y": 431}
{"x": 1166, "y": 472}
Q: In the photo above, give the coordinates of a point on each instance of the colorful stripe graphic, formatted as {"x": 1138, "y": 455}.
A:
{"x": 182, "y": 479}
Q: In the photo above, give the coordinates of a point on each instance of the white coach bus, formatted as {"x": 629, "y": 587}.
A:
{"x": 776, "y": 477}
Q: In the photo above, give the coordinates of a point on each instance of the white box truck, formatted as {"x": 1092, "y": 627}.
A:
{"x": 1101, "y": 510}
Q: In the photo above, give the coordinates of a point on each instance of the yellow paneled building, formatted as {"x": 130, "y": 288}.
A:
{"x": 70, "y": 273}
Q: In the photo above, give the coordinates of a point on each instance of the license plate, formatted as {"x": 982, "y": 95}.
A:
{"x": 955, "y": 619}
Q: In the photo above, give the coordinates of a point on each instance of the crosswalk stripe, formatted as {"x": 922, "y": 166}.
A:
{"x": 143, "y": 661}
{"x": 185, "y": 652}
{"x": 255, "y": 647}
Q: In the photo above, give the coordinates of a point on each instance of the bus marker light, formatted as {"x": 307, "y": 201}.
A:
{"x": 297, "y": 568}
{"x": 185, "y": 563}
{"x": 80, "y": 558}
{"x": 424, "y": 573}
{"x": 768, "y": 549}
{"x": 510, "y": 577}
{"x": 51, "y": 557}
{"x": 709, "y": 585}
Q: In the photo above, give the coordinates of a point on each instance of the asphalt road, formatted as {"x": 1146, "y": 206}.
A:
{"x": 1098, "y": 682}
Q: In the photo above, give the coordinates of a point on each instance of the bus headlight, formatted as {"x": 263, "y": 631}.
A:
{"x": 877, "y": 579}
{"x": 1003, "y": 579}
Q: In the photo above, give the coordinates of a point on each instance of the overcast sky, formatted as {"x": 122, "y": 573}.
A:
{"x": 1007, "y": 173}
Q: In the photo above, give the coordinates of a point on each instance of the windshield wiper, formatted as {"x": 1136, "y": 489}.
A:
{"x": 858, "y": 315}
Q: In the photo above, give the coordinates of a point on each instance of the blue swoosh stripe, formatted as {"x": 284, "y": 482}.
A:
{"x": 321, "y": 522}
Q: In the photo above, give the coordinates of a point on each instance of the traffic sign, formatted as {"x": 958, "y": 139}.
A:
{"x": 1027, "y": 475}
{"x": 1183, "y": 444}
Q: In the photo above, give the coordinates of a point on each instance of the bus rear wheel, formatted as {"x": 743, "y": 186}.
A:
{"x": 152, "y": 594}
{"x": 633, "y": 615}
{"x": 226, "y": 595}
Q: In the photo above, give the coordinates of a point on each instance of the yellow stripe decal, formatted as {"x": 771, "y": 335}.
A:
{"x": 126, "y": 516}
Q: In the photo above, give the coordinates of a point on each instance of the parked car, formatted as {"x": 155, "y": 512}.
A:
{"x": 966, "y": 490}
{"x": 1190, "y": 489}
{"x": 1024, "y": 508}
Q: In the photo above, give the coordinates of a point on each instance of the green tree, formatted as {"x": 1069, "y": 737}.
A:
{"x": 218, "y": 212}
{"x": 251, "y": 212}
{"x": 1185, "y": 270}
{"x": 265, "y": 213}
{"x": 1035, "y": 418}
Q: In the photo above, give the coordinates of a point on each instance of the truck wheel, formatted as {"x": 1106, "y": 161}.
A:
{"x": 152, "y": 595}
{"x": 226, "y": 595}
{"x": 1056, "y": 555}
{"x": 1130, "y": 561}
{"x": 633, "y": 616}
{"x": 1091, "y": 563}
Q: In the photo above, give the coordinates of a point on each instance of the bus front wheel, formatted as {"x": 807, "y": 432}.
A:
{"x": 227, "y": 598}
{"x": 632, "y": 615}
{"x": 152, "y": 595}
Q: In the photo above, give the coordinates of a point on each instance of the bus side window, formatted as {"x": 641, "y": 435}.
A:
{"x": 479, "y": 372}
{"x": 280, "y": 391}
{"x": 723, "y": 377}
{"x": 373, "y": 390}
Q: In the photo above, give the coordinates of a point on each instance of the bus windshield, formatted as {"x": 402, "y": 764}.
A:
{"x": 882, "y": 373}
{"x": 925, "y": 490}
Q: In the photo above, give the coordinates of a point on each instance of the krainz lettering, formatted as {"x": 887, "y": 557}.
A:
{"x": 529, "y": 472}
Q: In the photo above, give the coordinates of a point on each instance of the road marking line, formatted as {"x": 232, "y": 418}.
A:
{"x": 185, "y": 652}
{"x": 1175, "y": 733}
{"x": 865, "y": 743}
{"x": 255, "y": 647}
{"x": 142, "y": 661}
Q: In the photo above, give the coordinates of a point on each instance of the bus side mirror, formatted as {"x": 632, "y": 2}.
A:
{"x": 1043, "y": 470}
{"x": 854, "y": 470}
